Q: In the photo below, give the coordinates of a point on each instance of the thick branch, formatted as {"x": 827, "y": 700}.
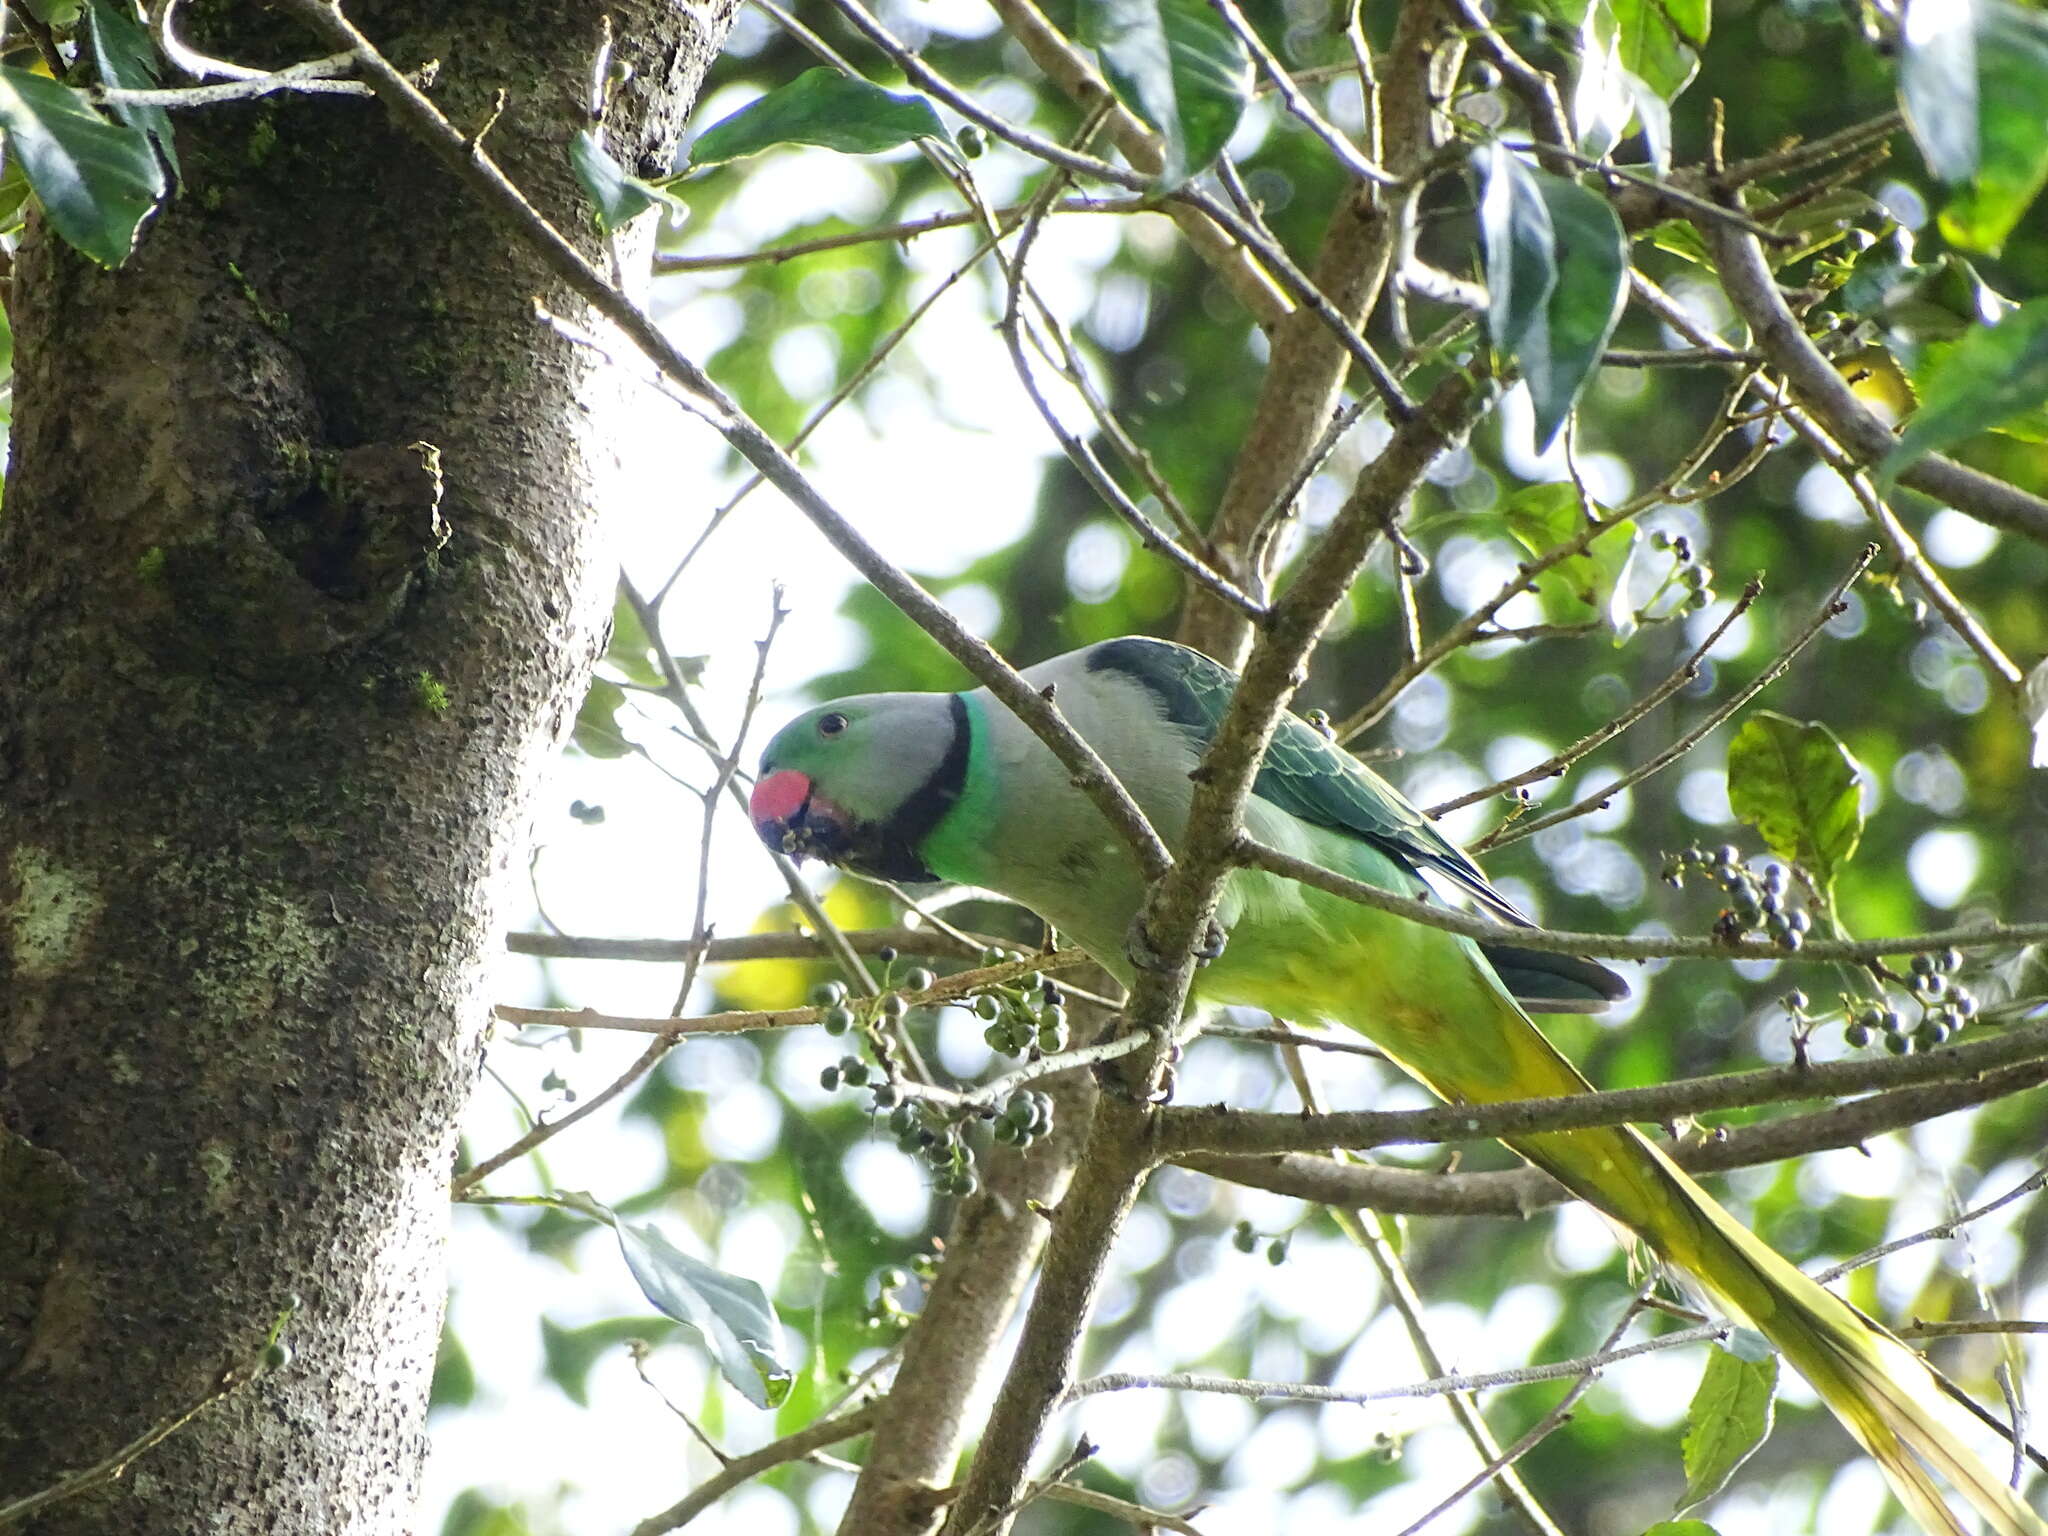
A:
{"x": 1821, "y": 388}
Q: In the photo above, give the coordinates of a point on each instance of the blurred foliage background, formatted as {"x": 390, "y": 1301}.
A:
{"x": 733, "y": 1147}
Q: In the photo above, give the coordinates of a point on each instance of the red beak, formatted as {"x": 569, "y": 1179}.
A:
{"x": 777, "y": 802}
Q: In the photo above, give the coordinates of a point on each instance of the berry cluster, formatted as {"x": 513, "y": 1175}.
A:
{"x": 1946, "y": 1005}
{"x": 1026, "y": 1117}
{"x": 1755, "y": 904}
{"x": 937, "y": 1141}
{"x": 1695, "y": 576}
{"x": 1027, "y": 1019}
{"x": 1245, "y": 1240}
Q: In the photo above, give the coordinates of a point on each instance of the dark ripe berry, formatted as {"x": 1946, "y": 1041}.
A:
{"x": 1725, "y": 855}
{"x": 1964, "y": 1004}
{"x": 1898, "y": 1044}
{"x": 1892, "y": 1021}
{"x": 1801, "y": 920}
{"x": 1276, "y": 1251}
{"x": 1692, "y": 578}
{"x": 826, "y": 993}
{"x": 829, "y": 1079}
{"x": 919, "y": 980}
{"x": 1856, "y": 1036}
{"x": 1699, "y": 599}
{"x": 1770, "y": 903}
{"x": 838, "y": 1020}
{"x": 886, "y": 954}
{"x": 1796, "y": 1001}
{"x": 926, "y": 1137}
{"x": 1694, "y": 855}
{"x": 885, "y": 1095}
{"x": 1244, "y": 1239}
{"x": 892, "y": 1006}
{"x": 1051, "y": 992}
{"x": 1870, "y": 1018}
{"x": 1922, "y": 965}
{"x": 856, "y": 1076}
{"x": 1792, "y": 940}
{"x": 1951, "y": 960}
{"x": 1681, "y": 546}
{"x": 1774, "y": 877}
{"x": 1484, "y": 76}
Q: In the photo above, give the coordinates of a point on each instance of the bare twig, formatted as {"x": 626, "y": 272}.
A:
{"x": 743, "y": 1469}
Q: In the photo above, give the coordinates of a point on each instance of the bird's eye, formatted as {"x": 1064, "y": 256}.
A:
{"x": 831, "y": 725}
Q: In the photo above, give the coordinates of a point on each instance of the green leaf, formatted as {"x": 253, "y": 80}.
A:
{"x": 1541, "y": 517}
{"x": 597, "y": 732}
{"x": 1556, "y": 274}
{"x": 618, "y": 198}
{"x": 731, "y": 1313}
{"x": 127, "y": 59}
{"x": 822, "y": 107}
{"x": 1179, "y": 68}
{"x": 1657, "y": 41}
{"x": 1995, "y": 372}
{"x": 1972, "y": 77}
{"x": 1519, "y": 248}
{"x": 632, "y": 649}
{"x": 1729, "y": 1418}
{"x": 1584, "y": 306}
{"x": 96, "y": 179}
{"x": 1938, "y": 85}
{"x": 1795, "y": 783}
{"x": 1681, "y": 1528}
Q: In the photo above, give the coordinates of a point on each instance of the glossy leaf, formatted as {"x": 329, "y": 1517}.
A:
{"x": 825, "y": 108}
{"x": 1972, "y": 77}
{"x": 731, "y": 1313}
{"x": 128, "y": 61}
{"x": 1179, "y": 68}
{"x": 1657, "y": 41}
{"x": 1585, "y": 304}
{"x": 617, "y": 197}
{"x": 96, "y": 179}
{"x": 1519, "y": 247}
{"x": 1994, "y": 373}
{"x": 1729, "y": 1418}
{"x": 1796, "y": 784}
{"x": 597, "y": 733}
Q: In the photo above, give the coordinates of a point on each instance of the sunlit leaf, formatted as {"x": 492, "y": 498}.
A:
{"x": 617, "y": 198}
{"x": 731, "y": 1313}
{"x": 1729, "y": 1418}
{"x": 825, "y": 108}
{"x": 96, "y": 180}
{"x": 1541, "y": 517}
{"x": 1995, "y": 372}
{"x": 1657, "y": 41}
{"x": 1681, "y": 1528}
{"x": 1796, "y": 784}
{"x": 128, "y": 61}
{"x": 597, "y": 732}
{"x": 1178, "y": 67}
{"x": 1972, "y": 77}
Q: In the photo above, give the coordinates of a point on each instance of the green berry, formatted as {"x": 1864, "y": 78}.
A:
{"x": 1276, "y": 1252}
{"x": 919, "y": 980}
{"x": 277, "y": 1355}
{"x": 1922, "y": 965}
{"x": 1856, "y": 1036}
{"x": 892, "y": 1006}
{"x": 829, "y": 1079}
{"x": 839, "y": 1020}
{"x": 1244, "y": 1239}
{"x": 826, "y": 993}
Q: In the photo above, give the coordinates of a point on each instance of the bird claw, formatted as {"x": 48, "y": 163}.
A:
{"x": 1144, "y": 955}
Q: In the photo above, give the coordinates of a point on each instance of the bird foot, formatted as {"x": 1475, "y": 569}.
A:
{"x": 1144, "y": 955}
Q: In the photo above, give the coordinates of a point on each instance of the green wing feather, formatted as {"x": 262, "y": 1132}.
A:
{"x": 1304, "y": 774}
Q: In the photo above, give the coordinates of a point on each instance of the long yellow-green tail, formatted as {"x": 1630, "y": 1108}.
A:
{"x": 1884, "y": 1393}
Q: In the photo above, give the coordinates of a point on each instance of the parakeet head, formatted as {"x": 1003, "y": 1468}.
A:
{"x": 859, "y": 782}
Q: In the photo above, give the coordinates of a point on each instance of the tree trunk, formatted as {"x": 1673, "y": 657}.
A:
{"x": 300, "y": 578}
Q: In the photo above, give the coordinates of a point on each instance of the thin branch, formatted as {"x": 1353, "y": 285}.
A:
{"x": 902, "y": 232}
{"x": 313, "y": 77}
{"x": 1186, "y": 1130}
{"x": 1514, "y": 832}
{"x": 750, "y": 946}
{"x": 946, "y": 989}
{"x": 1941, "y": 1231}
{"x": 1686, "y": 672}
{"x": 1347, "y": 154}
{"x": 1819, "y": 387}
{"x": 743, "y": 1469}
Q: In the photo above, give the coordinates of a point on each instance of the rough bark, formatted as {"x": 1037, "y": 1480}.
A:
{"x": 300, "y": 576}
